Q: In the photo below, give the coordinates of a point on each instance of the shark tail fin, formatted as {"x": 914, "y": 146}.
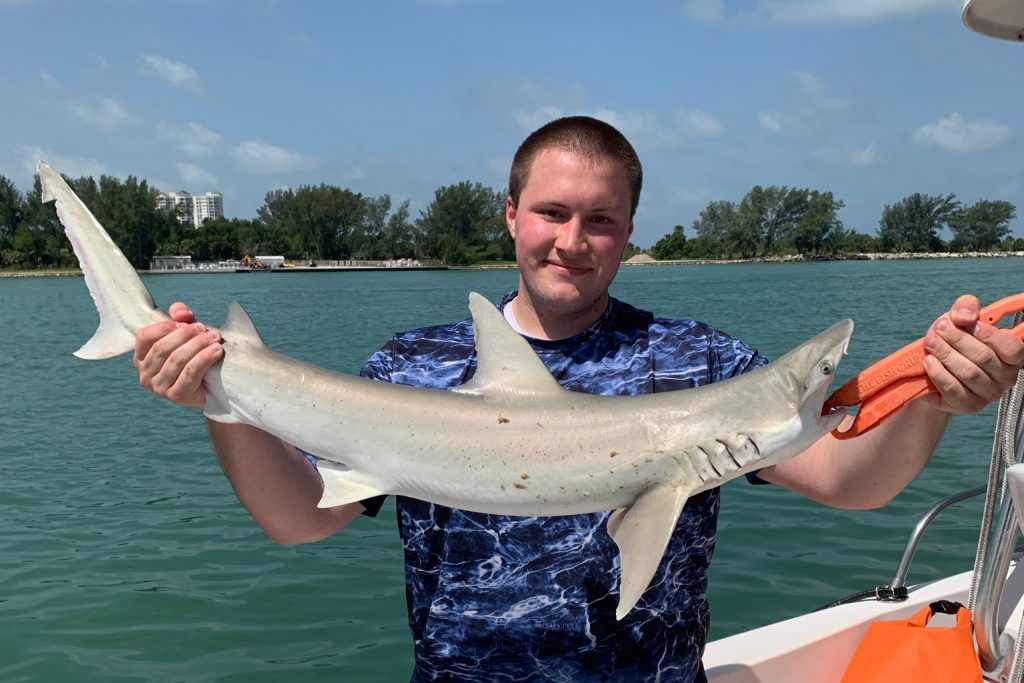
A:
{"x": 642, "y": 532}
{"x": 123, "y": 302}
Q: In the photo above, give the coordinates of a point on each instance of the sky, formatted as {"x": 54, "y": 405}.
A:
{"x": 872, "y": 100}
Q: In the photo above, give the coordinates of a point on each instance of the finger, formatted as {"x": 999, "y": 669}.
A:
{"x": 952, "y": 396}
{"x": 965, "y": 311}
{"x": 181, "y": 313}
{"x": 149, "y": 335}
{"x": 1006, "y": 345}
{"x": 998, "y": 354}
{"x": 969, "y": 362}
{"x": 188, "y": 389}
{"x": 154, "y": 372}
{"x": 178, "y": 376}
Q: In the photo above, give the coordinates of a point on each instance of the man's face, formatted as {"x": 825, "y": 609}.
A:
{"x": 570, "y": 228}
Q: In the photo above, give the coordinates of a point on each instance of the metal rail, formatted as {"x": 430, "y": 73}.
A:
{"x": 900, "y": 577}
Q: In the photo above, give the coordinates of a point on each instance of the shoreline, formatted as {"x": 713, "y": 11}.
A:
{"x": 899, "y": 256}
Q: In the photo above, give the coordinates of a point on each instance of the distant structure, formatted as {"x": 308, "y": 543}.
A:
{"x": 171, "y": 263}
{"x": 192, "y": 209}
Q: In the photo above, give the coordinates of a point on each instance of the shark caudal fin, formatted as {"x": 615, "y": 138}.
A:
{"x": 123, "y": 302}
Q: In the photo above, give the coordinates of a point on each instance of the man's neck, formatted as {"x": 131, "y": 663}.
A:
{"x": 553, "y": 325}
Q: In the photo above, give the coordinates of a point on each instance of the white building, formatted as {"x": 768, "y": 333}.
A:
{"x": 192, "y": 209}
{"x": 208, "y": 205}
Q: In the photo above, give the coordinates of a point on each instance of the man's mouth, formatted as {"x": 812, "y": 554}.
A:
{"x": 568, "y": 268}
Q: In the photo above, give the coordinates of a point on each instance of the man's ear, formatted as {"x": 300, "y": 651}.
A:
{"x": 510, "y": 216}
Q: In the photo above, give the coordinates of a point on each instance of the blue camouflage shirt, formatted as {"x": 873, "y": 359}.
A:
{"x": 529, "y": 599}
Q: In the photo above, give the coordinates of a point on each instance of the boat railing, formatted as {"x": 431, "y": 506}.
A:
{"x": 899, "y": 579}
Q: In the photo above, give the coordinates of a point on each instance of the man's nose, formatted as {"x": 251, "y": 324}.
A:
{"x": 571, "y": 236}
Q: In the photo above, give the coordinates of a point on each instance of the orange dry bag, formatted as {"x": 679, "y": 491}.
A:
{"x": 908, "y": 652}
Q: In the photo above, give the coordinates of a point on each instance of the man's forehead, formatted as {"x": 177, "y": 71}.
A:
{"x": 555, "y": 170}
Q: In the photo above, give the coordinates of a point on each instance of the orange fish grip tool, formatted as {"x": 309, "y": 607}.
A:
{"x": 899, "y": 378}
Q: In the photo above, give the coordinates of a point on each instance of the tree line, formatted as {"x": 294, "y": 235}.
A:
{"x": 465, "y": 223}
{"x": 778, "y": 221}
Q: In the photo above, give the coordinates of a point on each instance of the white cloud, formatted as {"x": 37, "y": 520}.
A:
{"x": 104, "y": 113}
{"x": 256, "y": 156}
{"x": 49, "y": 80}
{"x": 954, "y": 133}
{"x": 196, "y": 177}
{"x": 705, "y": 10}
{"x": 694, "y": 123}
{"x": 193, "y": 139}
{"x": 684, "y": 196}
{"x": 812, "y": 104}
{"x": 178, "y": 74}
{"x": 779, "y": 123}
{"x": 812, "y": 88}
{"x": 71, "y": 166}
{"x": 841, "y": 11}
{"x": 499, "y": 167}
{"x": 839, "y": 156}
{"x": 645, "y": 130}
{"x": 532, "y": 120}
{"x": 353, "y": 174}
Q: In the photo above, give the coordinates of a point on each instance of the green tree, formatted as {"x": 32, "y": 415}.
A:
{"x": 127, "y": 209}
{"x": 672, "y": 246}
{"x": 982, "y": 226}
{"x": 39, "y": 237}
{"x": 12, "y": 209}
{"x": 630, "y": 251}
{"x": 818, "y": 229}
{"x": 318, "y": 222}
{"x": 913, "y": 223}
{"x": 721, "y": 232}
{"x": 768, "y": 215}
{"x": 400, "y": 234}
{"x": 464, "y": 223}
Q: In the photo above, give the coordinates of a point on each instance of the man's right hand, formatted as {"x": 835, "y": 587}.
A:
{"x": 174, "y": 356}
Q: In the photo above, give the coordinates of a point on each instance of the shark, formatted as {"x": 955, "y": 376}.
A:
{"x": 511, "y": 440}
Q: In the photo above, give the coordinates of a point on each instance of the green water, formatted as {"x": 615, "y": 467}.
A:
{"x": 124, "y": 556}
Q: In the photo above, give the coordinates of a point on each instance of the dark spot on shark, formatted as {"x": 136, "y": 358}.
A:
{"x": 524, "y": 475}
{"x": 503, "y": 420}
{"x": 521, "y": 486}
{"x": 613, "y": 454}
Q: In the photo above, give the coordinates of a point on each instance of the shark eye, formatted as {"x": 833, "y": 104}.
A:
{"x": 826, "y": 367}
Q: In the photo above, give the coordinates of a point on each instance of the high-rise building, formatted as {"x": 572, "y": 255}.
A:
{"x": 192, "y": 209}
{"x": 207, "y": 205}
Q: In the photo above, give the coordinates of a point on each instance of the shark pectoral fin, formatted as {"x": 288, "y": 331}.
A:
{"x": 642, "y": 532}
{"x": 339, "y": 489}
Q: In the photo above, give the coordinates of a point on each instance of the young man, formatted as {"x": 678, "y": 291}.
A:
{"x": 533, "y": 599}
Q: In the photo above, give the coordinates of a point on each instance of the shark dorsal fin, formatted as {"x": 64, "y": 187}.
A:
{"x": 507, "y": 367}
{"x": 238, "y": 326}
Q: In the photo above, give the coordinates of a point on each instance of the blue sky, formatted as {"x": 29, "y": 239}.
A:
{"x": 870, "y": 99}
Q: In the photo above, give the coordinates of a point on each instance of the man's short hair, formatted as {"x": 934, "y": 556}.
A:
{"x": 580, "y": 135}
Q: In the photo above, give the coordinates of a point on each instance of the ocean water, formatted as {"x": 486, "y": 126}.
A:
{"x": 124, "y": 555}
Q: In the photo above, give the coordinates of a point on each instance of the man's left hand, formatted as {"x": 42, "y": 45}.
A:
{"x": 970, "y": 362}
